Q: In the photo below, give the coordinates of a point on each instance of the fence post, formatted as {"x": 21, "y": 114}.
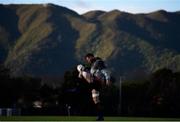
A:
{"x": 0, "y": 111}
{"x": 8, "y": 112}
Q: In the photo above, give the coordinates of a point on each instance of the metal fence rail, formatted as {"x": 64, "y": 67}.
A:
{"x": 10, "y": 111}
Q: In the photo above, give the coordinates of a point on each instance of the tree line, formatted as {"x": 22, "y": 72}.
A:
{"x": 157, "y": 95}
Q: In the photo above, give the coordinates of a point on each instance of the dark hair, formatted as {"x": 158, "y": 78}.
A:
{"x": 89, "y": 55}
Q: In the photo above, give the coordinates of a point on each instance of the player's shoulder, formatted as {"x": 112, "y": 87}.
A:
{"x": 99, "y": 63}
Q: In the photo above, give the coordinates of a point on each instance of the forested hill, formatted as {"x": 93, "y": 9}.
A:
{"x": 48, "y": 39}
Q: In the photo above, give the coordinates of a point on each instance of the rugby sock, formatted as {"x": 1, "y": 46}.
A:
{"x": 99, "y": 112}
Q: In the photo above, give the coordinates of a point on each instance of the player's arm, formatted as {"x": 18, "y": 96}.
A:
{"x": 107, "y": 77}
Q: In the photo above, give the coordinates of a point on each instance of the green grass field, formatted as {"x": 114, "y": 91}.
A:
{"x": 81, "y": 118}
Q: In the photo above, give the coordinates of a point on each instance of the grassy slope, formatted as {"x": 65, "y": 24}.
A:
{"x": 34, "y": 28}
{"x": 45, "y": 33}
{"x": 129, "y": 35}
{"x": 123, "y": 39}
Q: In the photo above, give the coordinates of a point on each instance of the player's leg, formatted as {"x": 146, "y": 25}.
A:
{"x": 95, "y": 96}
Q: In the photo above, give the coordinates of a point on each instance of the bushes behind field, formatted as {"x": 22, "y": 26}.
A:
{"x": 156, "y": 95}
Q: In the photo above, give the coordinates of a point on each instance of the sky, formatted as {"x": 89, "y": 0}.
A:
{"x": 132, "y": 6}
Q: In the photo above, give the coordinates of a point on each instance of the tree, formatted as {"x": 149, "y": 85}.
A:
{"x": 164, "y": 92}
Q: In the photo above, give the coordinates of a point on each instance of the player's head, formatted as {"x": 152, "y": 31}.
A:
{"x": 89, "y": 58}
